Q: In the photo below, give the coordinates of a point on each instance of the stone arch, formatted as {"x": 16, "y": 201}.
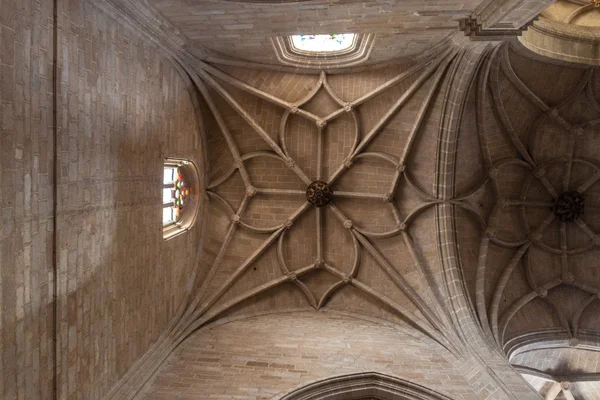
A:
{"x": 362, "y": 386}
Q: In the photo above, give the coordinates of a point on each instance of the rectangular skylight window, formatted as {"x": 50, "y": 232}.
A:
{"x": 323, "y": 43}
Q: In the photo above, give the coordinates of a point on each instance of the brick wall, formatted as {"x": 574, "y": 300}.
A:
{"x": 121, "y": 108}
{"x": 26, "y": 193}
{"x": 266, "y": 356}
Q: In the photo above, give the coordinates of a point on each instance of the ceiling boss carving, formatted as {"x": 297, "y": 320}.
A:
{"x": 569, "y": 206}
{"x": 319, "y": 193}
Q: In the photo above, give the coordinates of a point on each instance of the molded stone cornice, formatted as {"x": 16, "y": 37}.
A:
{"x": 474, "y": 29}
{"x": 568, "y": 42}
{"x": 496, "y": 20}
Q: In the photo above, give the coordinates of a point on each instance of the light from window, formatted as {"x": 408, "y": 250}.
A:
{"x": 175, "y": 194}
{"x": 323, "y": 43}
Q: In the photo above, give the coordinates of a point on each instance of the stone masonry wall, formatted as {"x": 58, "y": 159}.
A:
{"x": 268, "y": 356}
{"x": 26, "y": 200}
{"x": 121, "y": 108}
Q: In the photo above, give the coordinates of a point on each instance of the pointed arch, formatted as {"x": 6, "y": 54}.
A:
{"x": 366, "y": 385}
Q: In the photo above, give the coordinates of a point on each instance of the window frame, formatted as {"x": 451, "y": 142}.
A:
{"x": 340, "y": 52}
{"x": 290, "y": 55}
{"x": 189, "y": 213}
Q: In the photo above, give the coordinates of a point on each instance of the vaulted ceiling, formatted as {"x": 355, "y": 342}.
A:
{"x": 365, "y": 252}
{"x": 537, "y": 267}
{"x": 465, "y": 178}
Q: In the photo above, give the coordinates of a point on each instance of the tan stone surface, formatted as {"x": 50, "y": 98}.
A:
{"x": 265, "y": 357}
{"x": 120, "y": 115}
{"x": 121, "y": 108}
{"x": 567, "y": 30}
{"x": 243, "y": 30}
{"x": 417, "y": 241}
{"x": 26, "y": 201}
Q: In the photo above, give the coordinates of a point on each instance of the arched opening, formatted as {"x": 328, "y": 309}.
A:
{"x": 364, "y": 386}
{"x": 180, "y": 193}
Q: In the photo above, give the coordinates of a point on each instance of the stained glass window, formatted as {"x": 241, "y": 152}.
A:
{"x": 322, "y": 43}
{"x": 175, "y": 193}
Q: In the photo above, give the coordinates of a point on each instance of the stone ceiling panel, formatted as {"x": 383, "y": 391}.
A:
{"x": 243, "y": 30}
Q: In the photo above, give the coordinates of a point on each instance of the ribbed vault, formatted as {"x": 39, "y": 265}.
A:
{"x": 358, "y": 253}
{"x": 468, "y": 169}
{"x": 458, "y": 254}
{"x": 372, "y": 251}
{"x": 534, "y": 277}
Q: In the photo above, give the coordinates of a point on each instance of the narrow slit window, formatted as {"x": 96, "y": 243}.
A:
{"x": 323, "y": 43}
{"x": 174, "y": 194}
{"x": 180, "y": 196}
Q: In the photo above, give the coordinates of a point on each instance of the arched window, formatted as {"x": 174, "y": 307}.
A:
{"x": 330, "y": 43}
{"x": 179, "y": 196}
